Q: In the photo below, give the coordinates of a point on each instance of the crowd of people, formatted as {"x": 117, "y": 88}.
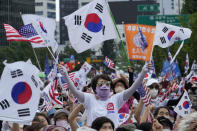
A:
{"x": 107, "y": 104}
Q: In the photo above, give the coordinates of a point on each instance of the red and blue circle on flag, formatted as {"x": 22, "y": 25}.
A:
{"x": 21, "y": 93}
{"x": 93, "y": 23}
{"x": 185, "y": 104}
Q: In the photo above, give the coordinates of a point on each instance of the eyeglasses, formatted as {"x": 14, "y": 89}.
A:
{"x": 154, "y": 86}
{"x": 101, "y": 83}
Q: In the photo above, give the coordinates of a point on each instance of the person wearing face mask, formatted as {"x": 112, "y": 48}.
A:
{"x": 61, "y": 118}
{"x": 121, "y": 84}
{"x": 154, "y": 90}
{"x": 101, "y": 103}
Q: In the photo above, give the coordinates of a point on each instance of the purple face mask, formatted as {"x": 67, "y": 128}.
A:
{"x": 103, "y": 92}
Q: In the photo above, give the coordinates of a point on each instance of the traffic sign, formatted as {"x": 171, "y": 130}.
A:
{"x": 169, "y": 19}
{"x": 148, "y": 8}
{"x": 66, "y": 59}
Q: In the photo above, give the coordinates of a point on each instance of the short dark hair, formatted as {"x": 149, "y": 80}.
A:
{"x": 155, "y": 113}
{"x": 95, "y": 80}
{"x": 98, "y": 122}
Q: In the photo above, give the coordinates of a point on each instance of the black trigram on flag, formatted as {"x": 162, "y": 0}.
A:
{"x": 163, "y": 40}
{"x": 86, "y": 37}
{"x": 23, "y": 112}
{"x": 77, "y": 20}
{"x": 4, "y": 104}
{"x": 16, "y": 73}
{"x": 180, "y": 107}
{"x": 186, "y": 112}
{"x": 182, "y": 30}
{"x": 186, "y": 97}
{"x": 34, "y": 81}
{"x": 165, "y": 29}
{"x": 103, "y": 30}
{"x": 99, "y": 7}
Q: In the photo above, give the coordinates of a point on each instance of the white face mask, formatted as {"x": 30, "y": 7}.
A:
{"x": 119, "y": 89}
{"x": 153, "y": 93}
{"x": 166, "y": 130}
{"x": 62, "y": 123}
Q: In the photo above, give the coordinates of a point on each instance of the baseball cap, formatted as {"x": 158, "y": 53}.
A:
{"x": 151, "y": 81}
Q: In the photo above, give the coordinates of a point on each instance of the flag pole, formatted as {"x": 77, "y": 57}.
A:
{"x": 177, "y": 52}
{"x": 37, "y": 59}
{"x": 121, "y": 41}
{"x": 52, "y": 55}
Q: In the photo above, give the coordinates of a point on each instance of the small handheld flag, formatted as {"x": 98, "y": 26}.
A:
{"x": 109, "y": 63}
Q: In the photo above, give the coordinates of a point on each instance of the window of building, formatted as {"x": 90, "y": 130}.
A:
{"x": 51, "y": 14}
{"x": 39, "y": 12}
{"x": 38, "y": 4}
{"x": 51, "y": 6}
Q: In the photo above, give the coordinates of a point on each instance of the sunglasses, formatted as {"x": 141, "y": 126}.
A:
{"x": 101, "y": 83}
{"x": 154, "y": 86}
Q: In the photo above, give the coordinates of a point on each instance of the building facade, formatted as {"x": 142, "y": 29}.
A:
{"x": 46, "y": 8}
{"x": 10, "y": 13}
{"x": 66, "y": 7}
{"x": 178, "y": 4}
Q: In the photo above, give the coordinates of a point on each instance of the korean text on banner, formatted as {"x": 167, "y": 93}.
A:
{"x": 136, "y": 38}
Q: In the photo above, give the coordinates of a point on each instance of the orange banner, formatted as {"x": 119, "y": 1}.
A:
{"x": 136, "y": 35}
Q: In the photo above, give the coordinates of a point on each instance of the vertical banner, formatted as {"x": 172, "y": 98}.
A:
{"x": 137, "y": 36}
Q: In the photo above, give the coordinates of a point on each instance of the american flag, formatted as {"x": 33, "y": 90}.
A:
{"x": 63, "y": 83}
{"x": 109, "y": 63}
{"x": 25, "y": 33}
{"x": 74, "y": 78}
{"x": 171, "y": 89}
{"x": 144, "y": 94}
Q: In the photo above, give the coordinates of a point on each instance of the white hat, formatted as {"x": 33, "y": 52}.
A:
{"x": 84, "y": 128}
{"x": 151, "y": 81}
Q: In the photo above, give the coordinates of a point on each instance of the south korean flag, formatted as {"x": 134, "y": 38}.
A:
{"x": 166, "y": 34}
{"x": 183, "y": 108}
{"x": 90, "y": 25}
{"x": 20, "y": 92}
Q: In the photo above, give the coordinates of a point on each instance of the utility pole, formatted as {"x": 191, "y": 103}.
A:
{"x": 179, "y": 8}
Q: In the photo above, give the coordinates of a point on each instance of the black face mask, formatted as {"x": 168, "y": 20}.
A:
{"x": 165, "y": 122}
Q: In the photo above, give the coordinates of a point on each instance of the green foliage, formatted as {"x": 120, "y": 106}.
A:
{"x": 189, "y": 7}
{"x": 108, "y": 49}
{"x": 21, "y": 51}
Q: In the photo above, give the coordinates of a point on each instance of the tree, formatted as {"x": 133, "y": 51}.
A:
{"x": 189, "y": 7}
{"x": 21, "y": 51}
{"x": 108, "y": 49}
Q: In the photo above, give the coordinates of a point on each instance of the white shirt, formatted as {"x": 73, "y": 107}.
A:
{"x": 97, "y": 108}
